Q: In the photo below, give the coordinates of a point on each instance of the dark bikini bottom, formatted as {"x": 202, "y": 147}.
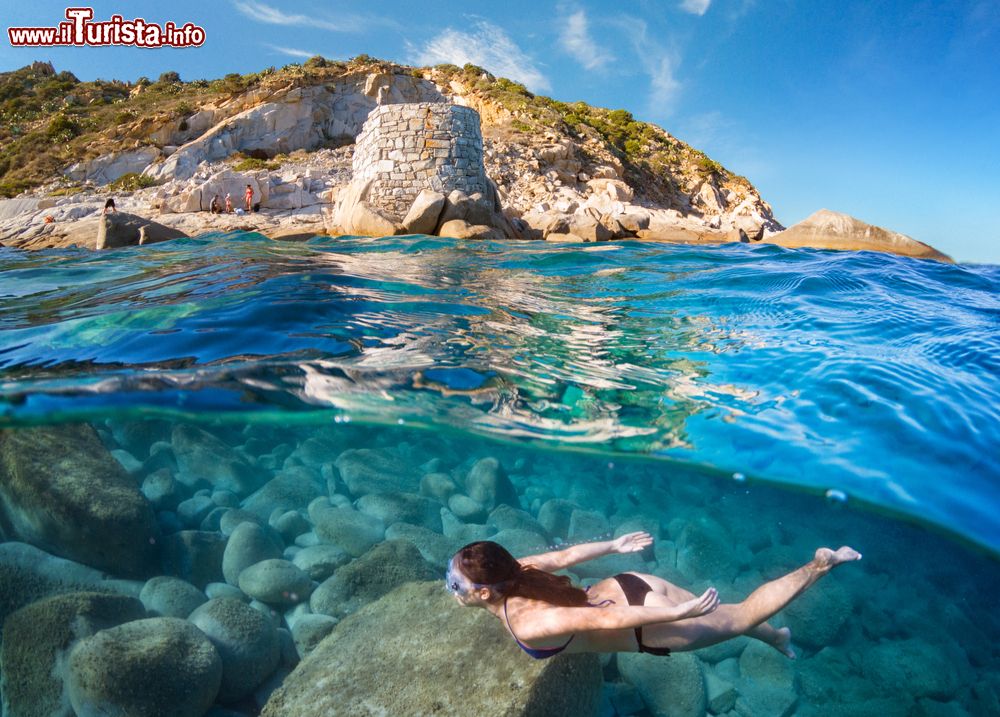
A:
{"x": 635, "y": 589}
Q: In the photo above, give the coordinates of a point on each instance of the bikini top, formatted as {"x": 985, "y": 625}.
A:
{"x": 542, "y": 653}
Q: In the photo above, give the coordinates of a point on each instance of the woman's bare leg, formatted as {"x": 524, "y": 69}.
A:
{"x": 732, "y": 620}
{"x": 665, "y": 593}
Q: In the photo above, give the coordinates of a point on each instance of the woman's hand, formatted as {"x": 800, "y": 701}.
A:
{"x": 701, "y": 605}
{"x": 631, "y": 542}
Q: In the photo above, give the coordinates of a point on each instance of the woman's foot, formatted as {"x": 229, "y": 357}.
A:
{"x": 825, "y": 559}
{"x": 783, "y": 642}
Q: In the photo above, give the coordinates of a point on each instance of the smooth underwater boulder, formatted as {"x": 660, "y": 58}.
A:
{"x": 417, "y": 652}
{"x": 38, "y": 638}
{"x": 61, "y": 490}
{"x": 159, "y": 667}
{"x": 671, "y": 686}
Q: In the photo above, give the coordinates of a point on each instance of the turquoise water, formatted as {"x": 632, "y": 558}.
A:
{"x": 744, "y": 404}
{"x": 869, "y": 375}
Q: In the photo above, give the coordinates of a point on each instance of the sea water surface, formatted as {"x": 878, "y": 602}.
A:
{"x": 785, "y": 398}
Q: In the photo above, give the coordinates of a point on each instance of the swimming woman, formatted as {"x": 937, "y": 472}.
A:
{"x": 630, "y": 612}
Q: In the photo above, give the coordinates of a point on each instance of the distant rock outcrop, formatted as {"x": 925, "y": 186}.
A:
{"x": 832, "y": 230}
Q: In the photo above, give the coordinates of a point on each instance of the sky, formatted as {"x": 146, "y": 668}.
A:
{"x": 888, "y": 111}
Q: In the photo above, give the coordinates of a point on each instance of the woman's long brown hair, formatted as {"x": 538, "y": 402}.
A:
{"x": 489, "y": 563}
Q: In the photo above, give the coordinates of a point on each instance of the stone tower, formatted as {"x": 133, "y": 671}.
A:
{"x": 404, "y": 148}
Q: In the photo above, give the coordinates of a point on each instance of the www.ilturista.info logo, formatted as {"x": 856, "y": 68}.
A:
{"x": 79, "y": 30}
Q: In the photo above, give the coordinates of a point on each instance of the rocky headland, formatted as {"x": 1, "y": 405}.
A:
{"x": 366, "y": 148}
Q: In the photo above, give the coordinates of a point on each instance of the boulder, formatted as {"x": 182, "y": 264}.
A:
{"x": 245, "y": 639}
{"x": 109, "y": 167}
{"x": 487, "y": 484}
{"x": 28, "y": 574}
{"x": 461, "y": 229}
{"x": 164, "y": 596}
{"x": 365, "y": 470}
{"x": 435, "y": 548}
{"x": 276, "y": 582}
{"x": 204, "y": 458}
{"x": 384, "y": 567}
{"x": 398, "y": 507}
{"x": 119, "y": 229}
{"x": 309, "y": 630}
{"x": 61, "y": 489}
{"x": 36, "y": 640}
{"x": 381, "y": 661}
{"x": 817, "y": 616}
{"x": 249, "y": 544}
{"x": 914, "y": 667}
{"x": 345, "y": 527}
{"x": 423, "y": 215}
{"x": 320, "y": 561}
{"x": 292, "y": 489}
{"x": 195, "y": 556}
{"x": 833, "y": 230}
{"x": 670, "y": 686}
{"x": 147, "y": 668}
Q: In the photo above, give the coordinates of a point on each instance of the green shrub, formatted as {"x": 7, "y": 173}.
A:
{"x": 169, "y": 78}
{"x": 131, "y": 182}
{"x": 317, "y": 61}
{"x": 61, "y": 128}
{"x": 251, "y": 164}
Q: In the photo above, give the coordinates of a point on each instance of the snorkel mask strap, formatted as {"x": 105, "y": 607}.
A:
{"x": 457, "y": 583}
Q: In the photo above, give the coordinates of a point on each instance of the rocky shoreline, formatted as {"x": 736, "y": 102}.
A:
{"x": 549, "y": 183}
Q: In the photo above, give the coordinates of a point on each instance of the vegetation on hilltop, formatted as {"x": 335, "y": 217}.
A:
{"x": 49, "y": 120}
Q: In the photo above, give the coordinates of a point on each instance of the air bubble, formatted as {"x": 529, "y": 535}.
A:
{"x": 836, "y": 496}
{"x": 739, "y": 477}
{"x": 400, "y": 421}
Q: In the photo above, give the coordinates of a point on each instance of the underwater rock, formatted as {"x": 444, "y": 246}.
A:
{"x": 164, "y": 596}
{"x": 225, "y": 590}
{"x": 466, "y": 509}
{"x": 767, "y": 682}
{"x": 915, "y": 667}
{"x": 36, "y": 640}
{"x": 61, "y": 489}
{"x": 521, "y": 542}
{"x": 587, "y": 525}
{"x": 554, "y": 516}
{"x": 461, "y": 532}
{"x": 248, "y": 545}
{"x": 289, "y": 524}
{"x": 292, "y": 489}
{"x": 276, "y": 582}
{"x": 113, "y": 671}
{"x": 382, "y": 661}
{"x": 246, "y": 641}
{"x": 487, "y": 484}
{"x": 320, "y": 561}
{"x": 203, "y": 458}
{"x": 705, "y": 550}
{"x": 309, "y": 631}
{"x": 817, "y": 616}
{"x": 353, "y": 531}
{"x": 396, "y": 507}
{"x": 504, "y": 517}
{"x": 235, "y": 517}
{"x": 194, "y": 556}
{"x": 194, "y": 510}
{"x": 670, "y": 686}
{"x": 364, "y": 471}
{"x": 438, "y": 485}
{"x": 28, "y": 574}
{"x": 384, "y": 567}
{"x": 435, "y": 548}
{"x": 720, "y": 693}
{"x": 161, "y": 490}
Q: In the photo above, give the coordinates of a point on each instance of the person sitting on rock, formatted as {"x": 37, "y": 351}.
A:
{"x": 229, "y": 203}
{"x": 630, "y": 612}
{"x": 109, "y": 206}
{"x": 216, "y": 206}
{"x": 248, "y": 199}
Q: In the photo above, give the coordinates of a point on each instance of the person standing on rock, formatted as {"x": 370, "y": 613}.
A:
{"x": 229, "y": 203}
{"x": 248, "y": 199}
{"x": 630, "y": 612}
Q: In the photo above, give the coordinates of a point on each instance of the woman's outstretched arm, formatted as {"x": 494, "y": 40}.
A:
{"x": 559, "y": 559}
{"x": 562, "y": 621}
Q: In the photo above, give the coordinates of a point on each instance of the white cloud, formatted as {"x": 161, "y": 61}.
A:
{"x": 696, "y": 7}
{"x": 273, "y": 16}
{"x": 659, "y": 60}
{"x": 487, "y": 46}
{"x": 576, "y": 40}
{"x": 291, "y": 51}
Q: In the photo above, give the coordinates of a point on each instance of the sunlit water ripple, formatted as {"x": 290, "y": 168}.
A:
{"x": 869, "y": 374}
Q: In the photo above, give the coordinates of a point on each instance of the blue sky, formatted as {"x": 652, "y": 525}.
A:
{"x": 889, "y": 110}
